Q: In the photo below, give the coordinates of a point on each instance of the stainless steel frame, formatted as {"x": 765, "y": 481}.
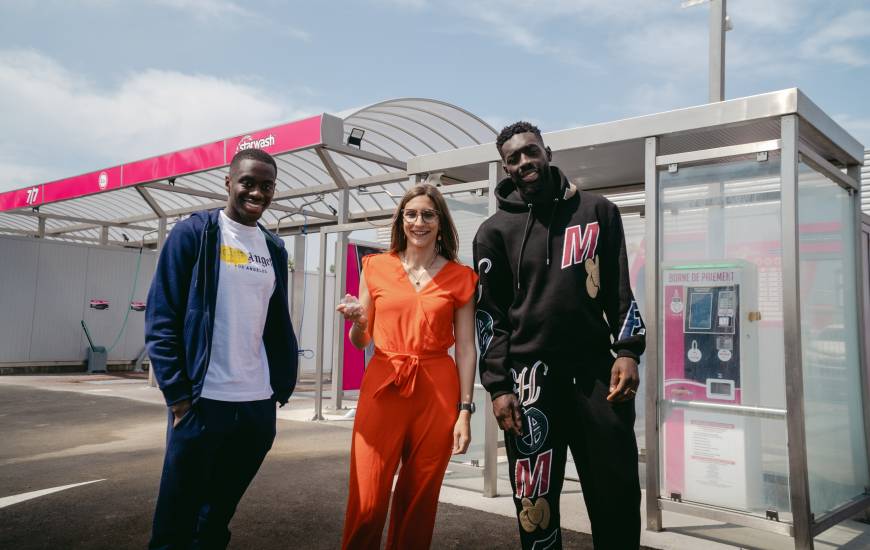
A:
{"x": 727, "y": 516}
{"x": 490, "y": 452}
{"x": 653, "y": 355}
{"x": 846, "y": 181}
{"x": 340, "y": 288}
{"x": 845, "y": 511}
{"x": 862, "y": 280}
{"x": 719, "y": 152}
{"x": 727, "y": 408}
{"x": 321, "y": 316}
{"x": 803, "y": 526}
{"x": 791, "y": 313}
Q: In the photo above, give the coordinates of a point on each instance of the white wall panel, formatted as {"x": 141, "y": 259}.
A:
{"x": 60, "y": 292}
{"x": 44, "y": 291}
{"x": 18, "y": 264}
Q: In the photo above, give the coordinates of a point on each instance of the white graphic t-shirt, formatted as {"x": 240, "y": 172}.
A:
{"x": 238, "y": 369}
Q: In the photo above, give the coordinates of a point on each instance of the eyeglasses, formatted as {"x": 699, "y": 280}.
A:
{"x": 410, "y": 216}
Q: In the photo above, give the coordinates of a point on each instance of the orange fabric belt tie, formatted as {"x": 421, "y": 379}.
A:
{"x": 405, "y": 367}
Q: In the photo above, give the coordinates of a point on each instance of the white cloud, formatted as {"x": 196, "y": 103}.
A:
{"x": 206, "y": 8}
{"x": 500, "y": 25}
{"x": 666, "y": 47}
{"x": 49, "y": 112}
{"x": 767, "y": 15}
{"x": 406, "y": 4}
{"x": 836, "y": 41}
{"x": 16, "y": 175}
{"x": 207, "y": 11}
{"x": 581, "y": 10}
{"x": 656, "y": 98}
{"x": 515, "y": 24}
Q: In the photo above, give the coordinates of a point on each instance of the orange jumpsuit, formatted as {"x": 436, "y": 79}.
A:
{"x": 407, "y": 404}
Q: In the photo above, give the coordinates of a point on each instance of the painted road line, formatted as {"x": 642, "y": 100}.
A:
{"x": 15, "y": 499}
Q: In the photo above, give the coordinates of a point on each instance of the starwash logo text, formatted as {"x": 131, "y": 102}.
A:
{"x": 248, "y": 142}
{"x": 103, "y": 181}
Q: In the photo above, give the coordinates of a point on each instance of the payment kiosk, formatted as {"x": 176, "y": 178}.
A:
{"x": 710, "y": 356}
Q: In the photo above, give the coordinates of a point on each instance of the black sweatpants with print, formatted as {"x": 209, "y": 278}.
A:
{"x": 565, "y": 406}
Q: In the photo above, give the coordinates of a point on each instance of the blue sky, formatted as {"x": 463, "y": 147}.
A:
{"x": 91, "y": 83}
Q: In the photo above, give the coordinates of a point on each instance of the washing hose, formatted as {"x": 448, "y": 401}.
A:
{"x": 129, "y": 302}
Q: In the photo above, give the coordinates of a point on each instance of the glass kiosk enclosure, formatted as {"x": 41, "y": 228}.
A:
{"x": 744, "y": 217}
{"x": 756, "y": 352}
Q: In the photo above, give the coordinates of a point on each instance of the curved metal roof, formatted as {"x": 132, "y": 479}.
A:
{"x": 315, "y": 162}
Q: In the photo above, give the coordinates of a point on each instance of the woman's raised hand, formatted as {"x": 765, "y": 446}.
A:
{"x": 352, "y": 310}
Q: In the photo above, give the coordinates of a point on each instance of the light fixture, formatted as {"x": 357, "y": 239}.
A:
{"x": 355, "y": 137}
{"x": 435, "y": 179}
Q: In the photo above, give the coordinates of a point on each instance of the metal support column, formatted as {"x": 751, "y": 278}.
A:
{"x": 104, "y": 235}
{"x": 717, "y": 50}
{"x": 161, "y": 234}
{"x": 490, "y": 430}
{"x": 161, "y": 238}
{"x": 298, "y": 284}
{"x": 41, "y": 231}
{"x": 321, "y": 317}
{"x": 794, "y": 386}
{"x": 340, "y": 288}
{"x": 652, "y": 367}
{"x": 862, "y": 296}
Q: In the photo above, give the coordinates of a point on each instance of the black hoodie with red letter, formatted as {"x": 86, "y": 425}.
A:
{"x": 554, "y": 285}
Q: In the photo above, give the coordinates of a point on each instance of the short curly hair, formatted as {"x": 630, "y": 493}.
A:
{"x": 253, "y": 154}
{"x": 510, "y": 131}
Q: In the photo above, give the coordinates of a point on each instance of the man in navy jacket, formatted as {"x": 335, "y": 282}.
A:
{"x": 222, "y": 347}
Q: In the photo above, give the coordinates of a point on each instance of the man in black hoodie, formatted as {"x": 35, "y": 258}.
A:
{"x": 560, "y": 335}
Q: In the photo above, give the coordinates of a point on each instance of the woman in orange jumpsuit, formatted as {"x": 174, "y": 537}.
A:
{"x": 415, "y": 401}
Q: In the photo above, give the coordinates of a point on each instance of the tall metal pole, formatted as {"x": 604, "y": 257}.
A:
{"x": 798, "y": 475}
{"x": 298, "y": 283}
{"x": 862, "y": 262}
{"x": 490, "y": 427}
{"x": 161, "y": 238}
{"x": 321, "y": 317}
{"x": 652, "y": 368}
{"x": 717, "y": 50}
{"x": 340, "y": 289}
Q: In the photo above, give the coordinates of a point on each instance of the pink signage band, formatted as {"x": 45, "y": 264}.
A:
{"x": 278, "y": 139}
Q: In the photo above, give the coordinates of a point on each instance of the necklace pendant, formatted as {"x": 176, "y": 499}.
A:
{"x": 418, "y": 283}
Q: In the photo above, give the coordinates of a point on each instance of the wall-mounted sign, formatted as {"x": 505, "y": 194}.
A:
{"x": 137, "y": 306}
{"x": 98, "y": 304}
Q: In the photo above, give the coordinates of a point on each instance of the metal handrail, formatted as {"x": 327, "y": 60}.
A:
{"x": 728, "y": 408}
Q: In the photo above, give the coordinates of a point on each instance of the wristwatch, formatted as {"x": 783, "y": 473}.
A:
{"x": 466, "y": 407}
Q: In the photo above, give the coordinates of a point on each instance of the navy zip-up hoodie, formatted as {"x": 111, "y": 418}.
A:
{"x": 179, "y": 315}
{"x": 554, "y": 285}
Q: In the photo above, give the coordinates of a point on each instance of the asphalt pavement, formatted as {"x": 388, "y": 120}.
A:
{"x": 50, "y": 439}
